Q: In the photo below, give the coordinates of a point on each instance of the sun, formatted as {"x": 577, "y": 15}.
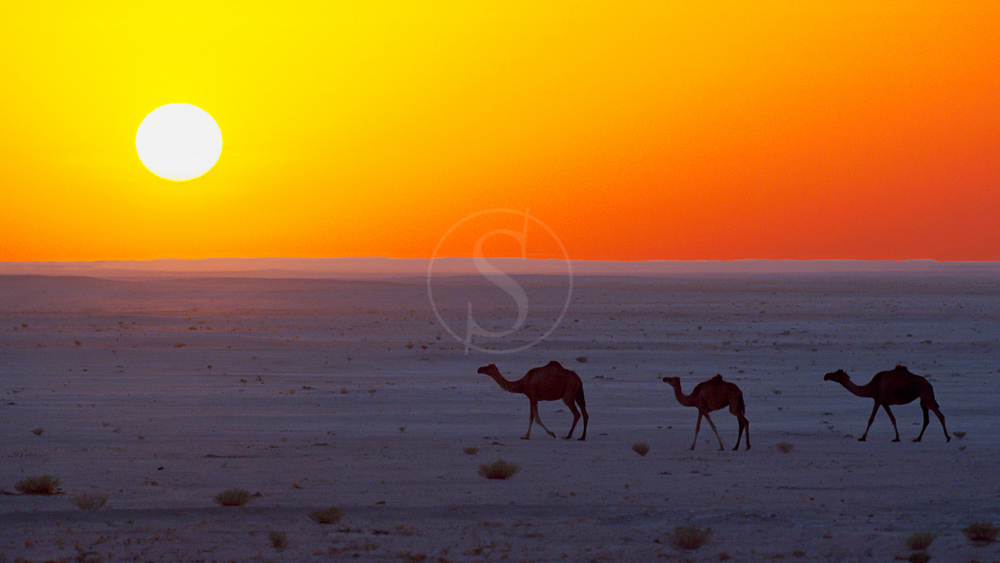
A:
{"x": 178, "y": 142}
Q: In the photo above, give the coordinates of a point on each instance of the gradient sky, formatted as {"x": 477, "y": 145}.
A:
{"x": 634, "y": 130}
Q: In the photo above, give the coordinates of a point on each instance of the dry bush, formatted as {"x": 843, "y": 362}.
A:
{"x": 499, "y": 469}
{"x": 785, "y": 447}
{"x": 641, "y": 448}
{"x": 38, "y": 485}
{"x": 38, "y": 431}
{"x": 582, "y": 359}
{"x": 919, "y": 557}
{"x": 959, "y": 434}
{"x": 689, "y": 537}
{"x": 278, "y": 539}
{"x": 88, "y": 501}
{"x": 920, "y": 540}
{"x": 233, "y": 497}
{"x": 470, "y": 451}
{"x": 327, "y": 515}
{"x": 981, "y": 532}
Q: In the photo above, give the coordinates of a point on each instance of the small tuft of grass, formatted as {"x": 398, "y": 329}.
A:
{"x": 641, "y": 448}
{"x": 959, "y": 434}
{"x": 919, "y": 541}
{"x": 470, "y": 451}
{"x": 785, "y": 447}
{"x": 327, "y": 515}
{"x": 582, "y": 359}
{"x": 37, "y": 431}
{"x": 981, "y": 532}
{"x": 689, "y": 537}
{"x": 233, "y": 497}
{"x": 279, "y": 540}
{"x": 499, "y": 469}
{"x": 38, "y": 485}
{"x": 89, "y": 501}
{"x": 919, "y": 557}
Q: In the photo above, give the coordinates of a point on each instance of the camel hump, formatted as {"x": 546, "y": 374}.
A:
{"x": 716, "y": 379}
{"x": 553, "y": 364}
{"x": 901, "y": 367}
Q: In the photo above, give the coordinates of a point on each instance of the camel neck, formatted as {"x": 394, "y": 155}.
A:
{"x": 507, "y": 385}
{"x": 860, "y": 391}
{"x": 684, "y": 400}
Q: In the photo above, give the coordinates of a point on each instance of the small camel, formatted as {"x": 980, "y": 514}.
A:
{"x": 893, "y": 387}
{"x": 550, "y": 382}
{"x": 712, "y": 395}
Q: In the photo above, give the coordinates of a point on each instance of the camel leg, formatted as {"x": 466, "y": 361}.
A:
{"x": 538, "y": 419}
{"x": 697, "y": 427}
{"x": 870, "y": 420}
{"x": 926, "y": 420}
{"x": 893, "y": 419}
{"x": 744, "y": 424}
{"x": 936, "y": 411}
{"x": 531, "y": 418}
{"x": 576, "y": 415}
{"x": 586, "y": 417}
{"x": 717, "y": 437}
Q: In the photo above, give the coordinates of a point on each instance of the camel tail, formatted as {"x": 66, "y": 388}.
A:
{"x": 741, "y": 406}
{"x": 580, "y": 400}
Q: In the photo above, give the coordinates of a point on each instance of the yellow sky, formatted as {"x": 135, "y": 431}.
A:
{"x": 643, "y": 130}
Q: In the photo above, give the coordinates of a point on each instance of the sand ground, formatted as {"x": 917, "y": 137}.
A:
{"x": 160, "y": 393}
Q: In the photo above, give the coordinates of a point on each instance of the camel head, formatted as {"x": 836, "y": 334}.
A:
{"x": 673, "y": 381}
{"x": 840, "y": 376}
{"x": 489, "y": 370}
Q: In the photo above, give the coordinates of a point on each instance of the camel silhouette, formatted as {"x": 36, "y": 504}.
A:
{"x": 712, "y": 395}
{"x": 893, "y": 387}
{"x": 550, "y": 382}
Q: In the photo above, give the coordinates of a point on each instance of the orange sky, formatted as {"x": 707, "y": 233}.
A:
{"x": 800, "y": 130}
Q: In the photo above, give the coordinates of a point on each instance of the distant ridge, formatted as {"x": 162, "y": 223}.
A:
{"x": 376, "y": 267}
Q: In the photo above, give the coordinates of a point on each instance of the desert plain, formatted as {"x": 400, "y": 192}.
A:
{"x": 163, "y": 389}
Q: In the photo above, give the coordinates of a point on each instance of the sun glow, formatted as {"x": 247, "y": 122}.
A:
{"x": 178, "y": 142}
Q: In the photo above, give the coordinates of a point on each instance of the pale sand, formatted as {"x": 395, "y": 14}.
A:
{"x": 312, "y": 384}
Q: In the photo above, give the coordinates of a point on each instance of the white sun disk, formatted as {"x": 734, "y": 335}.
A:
{"x": 178, "y": 141}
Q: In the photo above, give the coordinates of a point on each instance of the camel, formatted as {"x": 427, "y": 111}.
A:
{"x": 894, "y": 387}
{"x": 712, "y": 395}
{"x": 550, "y": 382}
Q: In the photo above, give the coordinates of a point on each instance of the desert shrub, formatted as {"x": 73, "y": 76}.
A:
{"x": 689, "y": 537}
{"x": 981, "y": 532}
{"x": 959, "y": 434}
{"x": 920, "y": 540}
{"x": 327, "y": 515}
{"x": 37, "y": 431}
{"x": 470, "y": 451}
{"x": 38, "y": 485}
{"x": 919, "y": 557}
{"x": 88, "y": 501}
{"x": 785, "y": 447}
{"x": 499, "y": 469}
{"x": 278, "y": 539}
{"x": 233, "y": 497}
{"x": 582, "y": 359}
{"x": 641, "y": 448}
